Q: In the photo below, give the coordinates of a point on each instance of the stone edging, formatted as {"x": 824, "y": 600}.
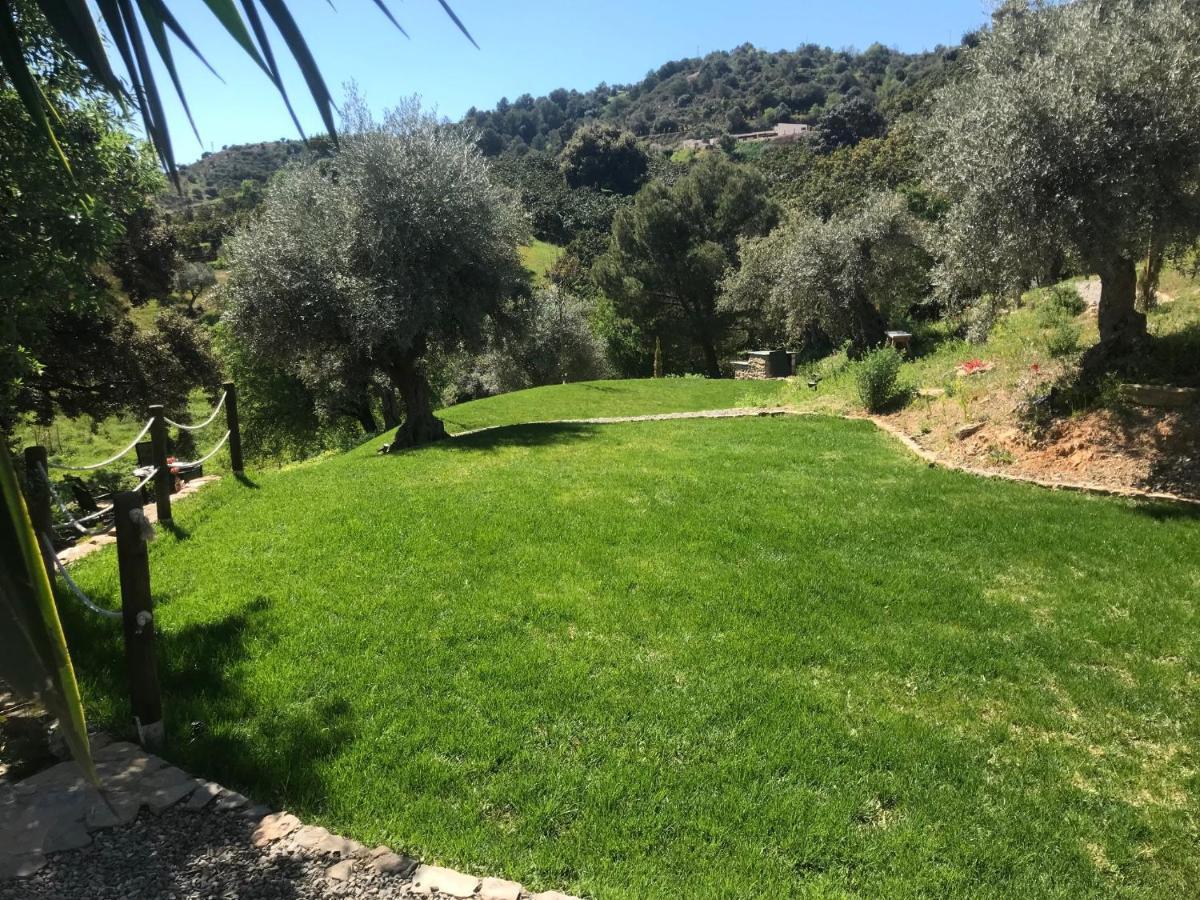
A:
{"x": 883, "y": 425}
{"x": 56, "y": 810}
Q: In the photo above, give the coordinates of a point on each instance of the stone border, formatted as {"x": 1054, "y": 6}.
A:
{"x": 883, "y": 425}
{"x": 56, "y": 810}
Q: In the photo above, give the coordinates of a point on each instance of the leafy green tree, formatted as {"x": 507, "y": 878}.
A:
{"x": 603, "y": 156}
{"x": 669, "y": 251}
{"x": 398, "y": 246}
{"x": 147, "y": 255}
{"x": 192, "y": 279}
{"x": 847, "y": 123}
{"x": 1075, "y": 129}
{"x": 845, "y": 278}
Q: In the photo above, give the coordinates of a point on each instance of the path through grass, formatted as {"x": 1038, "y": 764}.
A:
{"x": 727, "y": 658}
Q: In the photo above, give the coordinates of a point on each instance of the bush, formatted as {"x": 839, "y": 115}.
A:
{"x": 1063, "y": 339}
{"x": 1062, "y": 302}
{"x": 877, "y": 377}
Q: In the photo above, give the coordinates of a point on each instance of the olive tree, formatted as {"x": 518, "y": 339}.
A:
{"x": 844, "y": 278}
{"x": 1074, "y": 129}
{"x": 399, "y": 244}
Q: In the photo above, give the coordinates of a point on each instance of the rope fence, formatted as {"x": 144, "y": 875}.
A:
{"x": 76, "y": 590}
{"x": 205, "y": 423}
{"x": 183, "y": 466}
{"x": 111, "y": 459}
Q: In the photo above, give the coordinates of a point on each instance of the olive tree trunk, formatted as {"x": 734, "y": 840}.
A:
{"x": 1121, "y": 325}
{"x": 420, "y": 426}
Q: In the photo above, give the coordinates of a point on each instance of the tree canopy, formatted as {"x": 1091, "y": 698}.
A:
{"x": 670, "y": 249}
{"x": 605, "y": 157}
{"x": 399, "y": 244}
{"x": 1074, "y": 129}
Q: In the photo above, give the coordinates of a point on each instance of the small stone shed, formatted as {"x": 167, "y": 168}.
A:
{"x": 763, "y": 364}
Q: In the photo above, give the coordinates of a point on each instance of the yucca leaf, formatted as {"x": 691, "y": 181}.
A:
{"x": 283, "y": 20}
{"x": 458, "y": 22}
{"x": 273, "y": 70}
{"x": 387, "y": 12}
{"x": 163, "y": 12}
{"x": 34, "y": 659}
{"x": 227, "y": 15}
{"x": 32, "y": 98}
{"x": 72, "y": 21}
{"x": 158, "y": 117}
{"x": 158, "y": 34}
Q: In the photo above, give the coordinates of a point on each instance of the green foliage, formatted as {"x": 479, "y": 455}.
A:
{"x": 1063, "y": 301}
{"x": 846, "y": 124}
{"x": 603, "y": 156}
{"x": 358, "y": 267}
{"x": 1063, "y": 339}
{"x": 68, "y": 345}
{"x": 1075, "y": 130}
{"x": 671, "y": 248}
{"x": 876, "y": 378}
{"x": 840, "y": 280}
{"x": 727, "y": 91}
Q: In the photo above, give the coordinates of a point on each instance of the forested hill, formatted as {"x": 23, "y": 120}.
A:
{"x": 746, "y": 89}
{"x": 739, "y": 90}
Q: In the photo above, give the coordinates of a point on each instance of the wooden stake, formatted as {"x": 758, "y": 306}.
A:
{"x": 38, "y": 499}
{"x": 137, "y": 607}
{"x": 164, "y": 481}
{"x": 235, "y": 433}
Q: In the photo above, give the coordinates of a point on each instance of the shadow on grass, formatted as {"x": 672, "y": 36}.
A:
{"x": 246, "y": 481}
{"x": 216, "y": 725}
{"x": 178, "y": 531}
{"x": 527, "y": 435}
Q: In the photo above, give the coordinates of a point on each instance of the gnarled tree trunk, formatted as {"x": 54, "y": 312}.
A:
{"x": 390, "y": 406}
{"x": 1121, "y": 325}
{"x": 420, "y": 426}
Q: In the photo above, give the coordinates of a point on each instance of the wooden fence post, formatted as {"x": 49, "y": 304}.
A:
{"x": 235, "y": 433}
{"x": 38, "y": 498}
{"x": 137, "y": 608}
{"x": 164, "y": 481}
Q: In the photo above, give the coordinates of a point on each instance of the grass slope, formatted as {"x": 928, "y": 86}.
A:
{"x": 601, "y": 399}
{"x": 722, "y": 658}
{"x": 538, "y": 257}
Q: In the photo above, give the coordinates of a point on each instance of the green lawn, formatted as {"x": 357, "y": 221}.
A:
{"x": 720, "y": 658}
{"x": 538, "y": 257}
{"x": 601, "y": 399}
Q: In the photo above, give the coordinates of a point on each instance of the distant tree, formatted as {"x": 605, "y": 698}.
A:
{"x": 1075, "y": 128}
{"x": 845, "y": 278}
{"x": 146, "y": 256}
{"x": 669, "y": 251}
{"x": 847, "y": 123}
{"x": 400, "y": 245}
{"x": 604, "y": 156}
{"x": 191, "y": 280}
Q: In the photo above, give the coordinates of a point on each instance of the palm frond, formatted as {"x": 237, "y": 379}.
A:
{"x": 72, "y": 21}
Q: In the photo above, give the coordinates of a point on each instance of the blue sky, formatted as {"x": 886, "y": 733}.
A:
{"x": 526, "y": 46}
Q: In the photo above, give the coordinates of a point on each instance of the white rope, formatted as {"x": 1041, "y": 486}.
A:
{"x": 75, "y": 523}
{"x": 205, "y": 458}
{"x": 111, "y": 459}
{"x": 83, "y": 598}
{"x": 145, "y": 481}
{"x": 203, "y": 424}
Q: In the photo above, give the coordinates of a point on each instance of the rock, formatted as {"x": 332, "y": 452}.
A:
{"x": 1161, "y": 396}
{"x": 66, "y": 834}
{"x": 20, "y": 865}
{"x": 228, "y": 799}
{"x": 340, "y": 872}
{"x": 274, "y": 827}
{"x": 429, "y": 879}
{"x": 931, "y": 393}
{"x": 165, "y": 788}
{"x": 202, "y": 795}
{"x": 389, "y": 863}
{"x": 116, "y": 807}
{"x": 308, "y": 836}
{"x": 967, "y": 430}
{"x": 338, "y": 845}
{"x": 499, "y": 889}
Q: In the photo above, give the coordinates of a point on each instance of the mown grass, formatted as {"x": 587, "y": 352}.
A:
{"x": 538, "y": 257}
{"x": 716, "y": 658}
{"x": 603, "y": 399}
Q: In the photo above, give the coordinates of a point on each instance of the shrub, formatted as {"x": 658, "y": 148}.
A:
{"x": 1062, "y": 302}
{"x": 877, "y": 377}
{"x": 1063, "y": 339}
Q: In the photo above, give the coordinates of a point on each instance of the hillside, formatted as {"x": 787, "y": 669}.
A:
{"x": 742, "y": 89}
